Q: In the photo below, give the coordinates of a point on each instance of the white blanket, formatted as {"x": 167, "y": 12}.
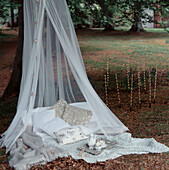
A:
{"x": 126, "y": 145}
{"x": 29, "y": 149}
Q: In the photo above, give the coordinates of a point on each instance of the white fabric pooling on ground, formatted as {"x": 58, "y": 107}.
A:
{"x": 39, "y": 152}
{"x": 126, "y": 145}
{"x": 23, "y": 159}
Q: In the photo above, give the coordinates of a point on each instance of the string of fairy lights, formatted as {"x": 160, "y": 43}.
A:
{"x": 128, "y": 73}
{"x": 108, "y": 78}
{"x": 150, "y": 89}
{"x": 155, "y": 86}
{"x": 106, "y": 92}
{"x": 139, "y": 86}
{"x": 144, "y": 75}
{"x": 131, "y": 84}
{"x": 118, "y": 91}
{"x": 131, "y": 96}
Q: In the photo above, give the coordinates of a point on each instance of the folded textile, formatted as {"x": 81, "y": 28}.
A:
{"x": 29, "y": 150}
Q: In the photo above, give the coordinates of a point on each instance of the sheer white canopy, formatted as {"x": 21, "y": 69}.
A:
{"x": 53, "y": 69}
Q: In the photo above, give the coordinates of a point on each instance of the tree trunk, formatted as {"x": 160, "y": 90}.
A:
{"x": 14, "y": 83}
{"x": 12, "y": 15}
{"x": 109, "y": 27}
{"x": 137, "y": 27}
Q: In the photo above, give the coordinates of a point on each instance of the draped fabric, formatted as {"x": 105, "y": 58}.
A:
{"x": 53, "y": 69}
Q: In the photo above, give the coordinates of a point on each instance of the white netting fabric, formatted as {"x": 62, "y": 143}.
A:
{"x": 53, "y": 68}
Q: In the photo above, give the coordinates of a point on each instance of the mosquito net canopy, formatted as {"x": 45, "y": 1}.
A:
{"x": 53, "y": 69}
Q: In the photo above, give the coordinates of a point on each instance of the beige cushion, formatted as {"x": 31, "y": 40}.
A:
{"x": 76, "y": 116}
{"x": 59, "y": 107}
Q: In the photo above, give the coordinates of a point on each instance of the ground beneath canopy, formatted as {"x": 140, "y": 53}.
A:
{"x": 144, "y": 122}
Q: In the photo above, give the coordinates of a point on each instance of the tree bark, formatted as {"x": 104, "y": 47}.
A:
{"x": 14, "y": 83}
{"x": 109, "y": 27}
{"x": 137, "y": 27}
{"x": 12, "y": 14}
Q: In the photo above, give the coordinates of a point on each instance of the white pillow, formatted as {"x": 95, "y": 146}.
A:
{"x": 42, "y": 117}
{"x": 54, "y": 126}
{"x": 67, "y": 136}
{"x": 59, "y": 107}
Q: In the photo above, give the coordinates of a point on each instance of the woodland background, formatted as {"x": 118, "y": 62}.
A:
{"x": 114, "y": 43}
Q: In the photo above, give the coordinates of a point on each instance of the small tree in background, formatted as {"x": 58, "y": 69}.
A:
{"x": 80, "y": 13}
{"x": 107, "y": 10}
{"x": 97, "y": 13}
{"x": 163, "y": 12}
{"x": 4, "y": 12}
{"x": 134, "y": 11}
{"x": 9, "y": 12}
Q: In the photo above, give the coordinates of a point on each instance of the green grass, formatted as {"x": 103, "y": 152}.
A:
{"x": 156, "y": 30}
{"x": 91, "y": 49}
{"x": 159, "y": 30}
{"x": 96, "y": 64}
{"x": 149, "y": 47}
{"x": 5, "y": 36}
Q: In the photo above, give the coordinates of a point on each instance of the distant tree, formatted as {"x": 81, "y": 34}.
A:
{"x": 9, "y": 11}
{"x": 163, "y": 12}
{"x": 98, "y": 13}
{"x": 134, "y": 11}
{"x": 4, "y": 12}
{"x": 106, "y": 13}
{"x": 12, "y": 13}
{"x": 81, "y": 13}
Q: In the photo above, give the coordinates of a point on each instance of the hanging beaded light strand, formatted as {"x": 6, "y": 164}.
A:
{"x": 131, "y": 97}
{"x": 155, "y": 86}
{"x": 144, "y": 74}
{"x": 128, "y": 73}
{"x": 108, "y": 69}
{"x": 106, "y": 93}
{"x": 139, "y": 87}
{"x": 150, "y": 89}
{"x": 118, "y": 91}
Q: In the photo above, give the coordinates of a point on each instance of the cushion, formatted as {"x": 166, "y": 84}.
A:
{"x": 82, "y": 105}
{"x": 42, "y": 117}
{"x": 76, "y": 116}
{"x": 59, "y": 107}
{"x": 54, "y": 126}
{"x": 67, "y": 136}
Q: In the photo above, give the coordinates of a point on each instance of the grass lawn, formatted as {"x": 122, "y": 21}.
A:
{"x": 139, "y": 51}
{"x": 150, "y": 48}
